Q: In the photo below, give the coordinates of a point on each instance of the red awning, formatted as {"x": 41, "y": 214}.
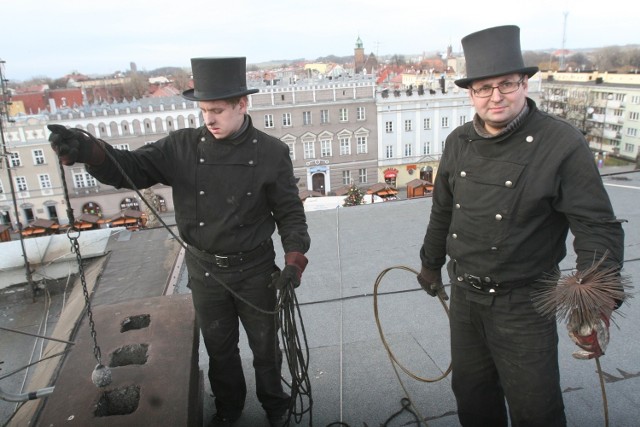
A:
{"x": 390, "y": 174}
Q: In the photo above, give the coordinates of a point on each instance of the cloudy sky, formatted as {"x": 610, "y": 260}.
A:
{"x": 55, "y": 37}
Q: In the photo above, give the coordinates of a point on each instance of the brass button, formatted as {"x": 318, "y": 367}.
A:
{"x": 508, "y": 184}
{"x": 454, "y": 235}
{"x": 498, "y": 217}
{"x": 463, "y": 174}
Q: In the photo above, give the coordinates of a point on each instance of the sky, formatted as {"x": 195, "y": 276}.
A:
{"x": 56, "y": 37}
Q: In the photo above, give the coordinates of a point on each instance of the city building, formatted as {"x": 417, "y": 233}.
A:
{"x": 413, "y": 126}
{"x": 330, "y": 127}
{"x": 605, "y": 106}
{"x": 34, "y": 175}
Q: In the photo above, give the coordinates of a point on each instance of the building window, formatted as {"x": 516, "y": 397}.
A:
{"x": 635, "y": 99}
{"x": 268, "y": 121}
{"x": 408, "y": 150}
{"x": 362, "y": 176}
{"x": 442, "y": 146}
{"x": 83, "y": 180}
{"x": 426, "y": 148}
{"x": 463, "y": 120}
{"x": 292, "y": 153}
{"x": 388, "y": 152}
{"x": 344, "y": 115}
{"x": 286, "y": 119}
{"x": 407, "y": 125}
{"x": 445, "y": 122}
{"x": 325, "y": 148}
{"x": 634, "y": 115}
{"x": 324, "y": 116}
{"x": 388, "y": 126}
{"x": 306, "y": 117}
{"x": 361, "y": 143}
{"x": 21, "y": 183}
{"x": 632, "y": 132}
{"x": 38, "y": 157}
{"x": 15, "y": 159}
{"x": 45, "y": 181}
{"x": 628, "y": 147}
{"x": 124, "y": 147}
{"x": 427, "y": 123}
{"x": 346, "y": 177}
{"x": 360, "y": 113}
{"x": 345, "y": 146}
{"x": 309, "y": 150}
{"x": 1, "y": 188}
{"x": 130, "y": 203}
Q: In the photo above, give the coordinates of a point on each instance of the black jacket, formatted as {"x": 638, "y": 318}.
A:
{"x": 228, "y": 194}
{"x": 502, "y": 206}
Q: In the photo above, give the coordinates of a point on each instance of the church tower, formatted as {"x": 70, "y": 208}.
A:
{"x": 359, "y": 58}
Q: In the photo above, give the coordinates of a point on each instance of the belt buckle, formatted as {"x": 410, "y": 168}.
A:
{"x": 474, "y": 281}
{"x": 222, "y": 261}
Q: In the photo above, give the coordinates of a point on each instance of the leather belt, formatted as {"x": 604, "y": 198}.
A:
{"x": 486, "y": 284}
{"x": 483, "y": 284}
{"x": 239, "y": 258}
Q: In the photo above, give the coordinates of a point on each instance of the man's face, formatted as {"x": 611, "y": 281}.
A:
{"x": 499, "y": 109}
{"x": 222, "y": 118}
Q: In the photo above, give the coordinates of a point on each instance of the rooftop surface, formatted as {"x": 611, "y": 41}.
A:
{"x": 352, "y": 378}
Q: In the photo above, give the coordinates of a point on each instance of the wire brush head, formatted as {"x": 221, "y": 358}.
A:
{"x": 583, "y": 296}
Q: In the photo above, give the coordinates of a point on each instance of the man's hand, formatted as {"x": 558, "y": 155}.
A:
{"x": 431, "y": 282}
{"x": 73, "y": 145}
{"x": 591, "y": 337}
{"x": 291, "y": 274}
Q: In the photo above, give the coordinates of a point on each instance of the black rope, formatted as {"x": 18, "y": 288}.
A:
{"x": 296, "y": 351}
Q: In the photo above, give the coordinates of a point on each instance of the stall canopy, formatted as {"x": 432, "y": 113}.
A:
{"x": 41, "y": 227}
{"x": 419, "y": 188}
{"x": 5, "y": 233}
{"x": 87, "y": 221}
{"x": 383, "y": 190}
{"x": 342, "y": 191}
{"x": 129, "y": 218}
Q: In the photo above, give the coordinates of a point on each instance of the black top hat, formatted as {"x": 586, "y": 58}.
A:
{"x": 218, "y": 78}
{"x": 493, "y": 52}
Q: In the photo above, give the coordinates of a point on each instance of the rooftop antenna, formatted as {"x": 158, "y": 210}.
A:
{"x": 564, "y": 40}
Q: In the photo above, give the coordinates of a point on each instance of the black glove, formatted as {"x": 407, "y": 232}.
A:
{"x": 295, "y": 263}
{"x": 431, "y": 282}
{"x": 74, "y": 145}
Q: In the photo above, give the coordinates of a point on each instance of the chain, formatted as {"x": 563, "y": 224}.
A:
{"x": 75, "y": 247}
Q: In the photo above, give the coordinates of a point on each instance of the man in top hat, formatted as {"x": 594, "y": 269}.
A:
{"x": 511, "y": 184}
{"x": 232, "y": 185}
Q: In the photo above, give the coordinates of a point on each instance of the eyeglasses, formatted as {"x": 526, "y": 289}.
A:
{"x": 504, "y": 88}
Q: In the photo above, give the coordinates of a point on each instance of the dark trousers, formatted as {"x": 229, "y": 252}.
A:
{"x": 502, "y": 348}
{"x": 218, "y": 313}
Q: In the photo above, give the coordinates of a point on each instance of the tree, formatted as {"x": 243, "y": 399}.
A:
{"x": 137, "y": 86}
{"x": 181, "y": 80}
{"x": 355, "y": 196}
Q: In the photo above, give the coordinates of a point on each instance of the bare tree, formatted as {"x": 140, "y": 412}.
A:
{"x": 137, "y": 86}
{"x": 181, "y": 80}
